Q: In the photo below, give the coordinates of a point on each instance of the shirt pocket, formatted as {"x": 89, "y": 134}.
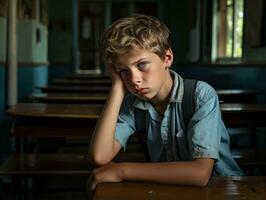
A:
{"x": 182, "y": 145}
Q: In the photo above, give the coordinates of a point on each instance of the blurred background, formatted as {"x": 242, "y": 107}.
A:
{"x": 222, "y": 42}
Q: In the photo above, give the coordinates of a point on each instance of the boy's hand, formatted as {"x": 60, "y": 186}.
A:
{"x": 116, "y": 79}
{"x": 107, "y": 173}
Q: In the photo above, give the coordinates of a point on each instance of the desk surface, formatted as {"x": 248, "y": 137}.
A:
{"x": 75, "y": 89}
{"x": 53, "y": 120}
{"x": 46, "y": 120}
{"x": 237, "y": 91}
{"x": 68, "y": 97}
{"x": 63, "y": 94}
{"x": 88, "y": 76}
{"x": 226, "y": 95}
{"x": 238, "y": 95}
{"x": 80, "y": 111}
{"x": 43, "y": 164}
{"x": 82, "y": 82}
{"x": 93, "y": 110}
{"x": 242, "y": 108}
{"x": 219, "y": 188}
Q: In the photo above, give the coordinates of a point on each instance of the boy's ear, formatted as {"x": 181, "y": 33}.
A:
{"x": 169, "y": 57}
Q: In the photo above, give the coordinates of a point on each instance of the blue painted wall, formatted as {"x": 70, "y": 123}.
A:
{"x": 59, "y": 70}
{"x": 32, "y": 50}
{"x": 28, "y": 78}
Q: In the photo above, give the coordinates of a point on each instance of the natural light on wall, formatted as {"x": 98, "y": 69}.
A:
{"x": 227, "y": 29}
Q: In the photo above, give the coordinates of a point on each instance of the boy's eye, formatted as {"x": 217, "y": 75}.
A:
{"x": 142, "y": 65}
{"x": 123, "y": 73}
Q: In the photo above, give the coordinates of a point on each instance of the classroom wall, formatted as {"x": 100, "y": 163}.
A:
{"x": 32, "y": 68}
{"x": 175, "y": 17}
{"x": 29, "y": 78}
{"x": 32, "y": 41}
{"x": 60, "y": 36}
{"x": 32, "y": 56}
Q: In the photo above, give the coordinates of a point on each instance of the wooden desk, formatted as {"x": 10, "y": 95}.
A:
{"x": 73, "y": 98}
{"x": 53, "y": 120}
{"x": 46, "y": 164}
{"x": 225, "y": 96}
{"x": 38, "y": 119}
{"x": 219, "y": 188}
{"x": 78, "y": 82}
{"x": 92, "y": 97}
{"x": 75, "y": 89}
{"x": 238, "y": 95}
{"x": 75, "y": 120}
{"x": 243, "y": 115}
{"x": 87, "y": 76}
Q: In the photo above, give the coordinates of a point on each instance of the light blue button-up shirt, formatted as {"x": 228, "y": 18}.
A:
{"x": 168, "y": 137}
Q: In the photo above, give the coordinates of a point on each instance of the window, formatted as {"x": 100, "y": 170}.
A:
{"x": 228, "y": 29}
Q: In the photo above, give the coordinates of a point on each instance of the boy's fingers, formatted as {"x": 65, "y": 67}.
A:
{"x": 91, "y": 184}
{"x": 88, "y": 184}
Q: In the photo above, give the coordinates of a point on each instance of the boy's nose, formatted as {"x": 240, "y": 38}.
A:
{"x": 135, "y": 77}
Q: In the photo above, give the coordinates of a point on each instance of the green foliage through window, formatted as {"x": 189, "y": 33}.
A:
{"x": 229, "y": 29}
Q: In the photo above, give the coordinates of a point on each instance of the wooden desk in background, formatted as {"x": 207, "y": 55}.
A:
{"x": 238, "y": 95}
{"x": 73, "y": 98}
{"x": 75, "y": 89}
{"x": 53, "y": 120}
{"x": 225, "y": 96}
{"x": 88, "y": 82}
{"x": 87, "y": 76}
{"x": 93, "y": 97}
{"x": 219, "y": 188}
{"x": 78, "y": 119}
{"x": 243, "y": 115}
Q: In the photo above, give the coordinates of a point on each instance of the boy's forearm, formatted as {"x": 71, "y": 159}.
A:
{"x": 103, "y": 140}
{"x": 195, "y": 173}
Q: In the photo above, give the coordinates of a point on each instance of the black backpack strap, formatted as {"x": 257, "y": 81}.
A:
{"x": 141, "y": 131}
{"x": 188, "y": 104}
{"x": 140, "y": 120}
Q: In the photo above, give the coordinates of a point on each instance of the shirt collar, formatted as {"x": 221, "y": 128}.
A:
{"x": 176, "y": 93}
{"x": 177, "y": 89}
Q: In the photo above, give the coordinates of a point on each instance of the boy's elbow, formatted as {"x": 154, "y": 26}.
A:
{"x": 203, "y": 172}
{"x": 203, "y": 179}
{"x": 203, "y": 182}
{"x": 97, "y": 160}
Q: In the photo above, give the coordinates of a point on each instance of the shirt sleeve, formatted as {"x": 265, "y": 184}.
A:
{"x": 204, "y": 134}
{"x": 126, "y": 121}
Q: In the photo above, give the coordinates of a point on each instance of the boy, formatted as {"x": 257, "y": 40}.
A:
{"x": 138, "y": 55}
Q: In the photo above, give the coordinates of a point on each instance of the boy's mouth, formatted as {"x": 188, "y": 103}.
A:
{"x": 142, "y": 91}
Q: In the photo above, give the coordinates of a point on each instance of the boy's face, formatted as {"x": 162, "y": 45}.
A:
{"x": 145, "y": 74}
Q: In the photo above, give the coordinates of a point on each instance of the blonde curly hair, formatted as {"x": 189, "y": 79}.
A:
{"x": 135, "y": 32}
